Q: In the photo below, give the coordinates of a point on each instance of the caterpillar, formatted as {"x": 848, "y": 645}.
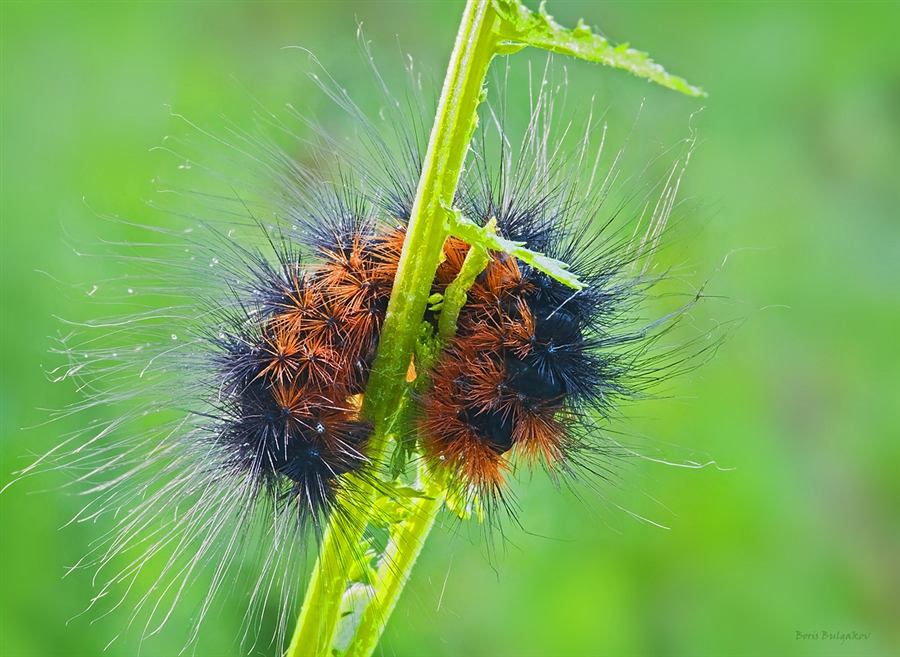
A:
{"x": 530, "y": 357}
{"x": 291, "y": 368}
{"x": 533, "y": 362}
{"x": 281, "y": 333}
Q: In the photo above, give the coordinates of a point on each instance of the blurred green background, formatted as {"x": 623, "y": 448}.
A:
{"x": 797, "y": 174}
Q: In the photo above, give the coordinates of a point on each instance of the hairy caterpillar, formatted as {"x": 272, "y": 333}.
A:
{"x": 275, "y": 349}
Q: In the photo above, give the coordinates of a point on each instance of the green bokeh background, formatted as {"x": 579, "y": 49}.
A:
{"x": 797, "y": 174}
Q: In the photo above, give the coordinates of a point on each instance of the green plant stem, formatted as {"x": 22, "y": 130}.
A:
{"x": 405, "y": 545}
{"x": 476, "y": 44}
{"x": 456, "y": 294}
{"x": 322, "y": 604}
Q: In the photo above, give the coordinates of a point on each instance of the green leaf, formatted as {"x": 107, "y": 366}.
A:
{"x": 395, "y": 502}
{"x": 464, "y": 503}
{"x": 482, "y": 236}
{"x": 403, "y": 452}
{"x": 519, "y": 25}
{"x": 401, "y": 492}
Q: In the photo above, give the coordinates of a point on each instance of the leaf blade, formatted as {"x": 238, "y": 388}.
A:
{"x": 519, "y": 25}
{"x": 484, "y": 237}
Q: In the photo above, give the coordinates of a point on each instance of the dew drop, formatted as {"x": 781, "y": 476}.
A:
{"x": 174, "y": 337}
{"x": 130, "y": 291}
